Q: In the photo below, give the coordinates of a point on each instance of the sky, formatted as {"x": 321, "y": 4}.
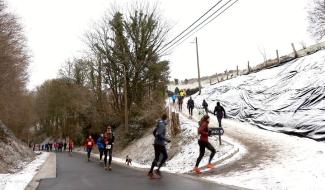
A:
{"x": 55, "y": 29}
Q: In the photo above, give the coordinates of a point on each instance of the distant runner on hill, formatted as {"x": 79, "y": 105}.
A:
{"x": 174, "y": 98}
{"x": 180, "y": 103}
{"x": 190, "y": 106}
{"x": 205, "y": 106}
{"x": 220, "y": 112}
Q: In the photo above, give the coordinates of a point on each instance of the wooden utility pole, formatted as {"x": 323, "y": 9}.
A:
{"x": 198, "y": 65}
{"x": 217, "y": 77}
{"x": 277, "y": 56}
{"x": 248, "y": 68}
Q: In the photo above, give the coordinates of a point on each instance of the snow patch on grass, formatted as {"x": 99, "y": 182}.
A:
{"x": 20, "y": 180}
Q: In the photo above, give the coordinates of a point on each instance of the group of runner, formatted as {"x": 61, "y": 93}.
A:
{"x": 105, "y": 144}
{"x": 203, "y": 130}
{"x": 105, "y": 141}
{"x": 57, "y": 146}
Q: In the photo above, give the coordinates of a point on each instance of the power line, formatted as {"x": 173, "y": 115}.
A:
{"x": 202, "y": 26}
{"x": 186, "y": 35}
{"x": 196, "y": 26}
{"x": 192, "y": 24}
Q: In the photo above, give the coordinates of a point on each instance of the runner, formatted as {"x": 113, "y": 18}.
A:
{"x": 204, "y": 143}
{"x": 220, "y": 112}
{"x": 128, "y": 160}
{"x": 174, "y": 98}
{"x": 100, "y": 145}
{"x": 180, "y": 103}
{"x": 190, "y": 106}
{"x": 205, "y": 106}
{"x": 109, "y": 142}
{"x": 65, "y": 145}
{"x": 159, "y": 145}
{"x": 70, "y": 146}
{"x": 89, "y": 146}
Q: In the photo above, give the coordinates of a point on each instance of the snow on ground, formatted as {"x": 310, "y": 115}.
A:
{"x": 183, "y": 151}
{"x": 297, "y": 162}
{"x": 268, "y": 160}
{"x": 20, "y": 180}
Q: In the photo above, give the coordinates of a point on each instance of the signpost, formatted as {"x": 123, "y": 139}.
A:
{"x": 217, "y": 131}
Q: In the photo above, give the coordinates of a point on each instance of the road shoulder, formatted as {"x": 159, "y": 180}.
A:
{"x": 47, "y": 171}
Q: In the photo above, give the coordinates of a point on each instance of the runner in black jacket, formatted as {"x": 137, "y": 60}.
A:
{"x": 205, "y": 106}
{"x": 190, "y": 106}
{"x": 220, "y": 112}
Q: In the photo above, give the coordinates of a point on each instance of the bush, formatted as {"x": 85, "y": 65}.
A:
{"x": 190, "y": 92}
{"x": 2, "y": 135}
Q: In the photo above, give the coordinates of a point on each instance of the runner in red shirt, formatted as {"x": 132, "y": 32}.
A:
{"x": 89, "y": 146}
{"x": 204, "y": 143}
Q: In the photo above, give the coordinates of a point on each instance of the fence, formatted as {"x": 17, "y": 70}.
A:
{"x": 229, "y": 74}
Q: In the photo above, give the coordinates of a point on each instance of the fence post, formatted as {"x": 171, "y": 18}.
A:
{"x": 294, "y": 50}
{"x": 226, "y": 73}
{"x": 210, "y": 80}
{"x": 237, "y": 71}
{"x": 175, "y": 129}
{"x": 277, "y": 56}
{"x": 217, "y": 77}
{"x": 248, "y": 68}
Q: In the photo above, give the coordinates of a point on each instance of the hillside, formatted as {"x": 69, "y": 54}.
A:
{"x": 288, "y": 98}
{"x": 14, "y": 154}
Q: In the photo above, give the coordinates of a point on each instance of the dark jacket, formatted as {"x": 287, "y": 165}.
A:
{"x": 204, "y": 104}
{"x": 180, "y": 99}
{"x": 190, "y": 103}
{"x": 219, "y": 111}
{"x": 160, "y": 133}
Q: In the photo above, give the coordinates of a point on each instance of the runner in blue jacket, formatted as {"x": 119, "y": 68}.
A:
{"x": 100, "y": 145}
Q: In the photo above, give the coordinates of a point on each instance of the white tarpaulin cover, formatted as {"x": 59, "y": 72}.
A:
{"x": 288, "y": 98}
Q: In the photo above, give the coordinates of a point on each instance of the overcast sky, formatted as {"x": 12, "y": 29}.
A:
{"x": 55, "y": 28}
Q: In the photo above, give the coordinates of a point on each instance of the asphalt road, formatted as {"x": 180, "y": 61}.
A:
{"x": 74, "y": 172}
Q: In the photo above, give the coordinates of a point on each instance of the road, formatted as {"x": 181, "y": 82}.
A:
{"x": 74, "y": 172}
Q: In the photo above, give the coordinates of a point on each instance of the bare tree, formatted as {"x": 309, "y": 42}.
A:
{"x": 316, "y": 18}
{"x": 14, "y": 61}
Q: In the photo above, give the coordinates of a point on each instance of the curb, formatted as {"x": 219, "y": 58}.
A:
{"x": 47, "y": 171}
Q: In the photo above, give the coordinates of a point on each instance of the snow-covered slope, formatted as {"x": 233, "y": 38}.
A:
{"x": 288, "y": 98}
{"x": 183, "y": 151}
{"x": 14, "y": 154}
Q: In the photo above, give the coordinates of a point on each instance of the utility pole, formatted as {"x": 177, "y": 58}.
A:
{"x": 198, "y": 65}
{"x": 126, "y": 119}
